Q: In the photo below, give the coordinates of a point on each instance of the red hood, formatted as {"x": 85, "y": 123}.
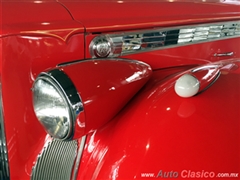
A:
{"x": 109, "y": 15}
{"x": 36, "y": 16}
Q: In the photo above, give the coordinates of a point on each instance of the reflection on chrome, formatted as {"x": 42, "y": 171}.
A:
{"x": 134, "y": 42}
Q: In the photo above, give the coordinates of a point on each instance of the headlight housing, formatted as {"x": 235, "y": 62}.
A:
{"x": 56, "y": 103}
{"x": 105, "y": 86}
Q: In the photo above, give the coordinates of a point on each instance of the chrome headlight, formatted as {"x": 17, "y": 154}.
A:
{"x": 56, "y": 103}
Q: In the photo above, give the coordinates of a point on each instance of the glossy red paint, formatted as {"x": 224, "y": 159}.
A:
{"x": 201, "y": 53}
{"x": 23, "y": 59}
{"x": 162, "y": 132}
{"x": 39, "y": 19}
{"x": 113, "y": 15}
{"x": 105, "y": 87}
{"x": 157, "y": 130}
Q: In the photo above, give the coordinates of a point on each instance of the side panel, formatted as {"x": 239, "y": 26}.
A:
{"x": 201, "y": 53}
{"x": 160, "y": 134}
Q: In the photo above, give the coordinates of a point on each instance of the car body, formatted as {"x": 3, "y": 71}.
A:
{"x": 154, "y": 89}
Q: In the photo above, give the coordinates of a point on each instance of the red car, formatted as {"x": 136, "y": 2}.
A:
{"x": 120, "y": 89}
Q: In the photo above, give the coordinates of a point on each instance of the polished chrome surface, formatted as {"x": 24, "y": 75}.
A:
{"x": 100, "y": 46}
{"x": 143, "y": 41}
{"x": 78, "y": 159}
{"x": 4, "y": 168}
{"x": 224, "y": 54}
{"x": 208, "y": 32}
{"x": 56, "y": 161}
{"x": 134, "y": 42}
{"x": 211, "y": 77}
{"x": 205, "y": 67}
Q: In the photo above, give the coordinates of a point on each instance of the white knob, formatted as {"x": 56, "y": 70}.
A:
{"x": 187, "y": 86}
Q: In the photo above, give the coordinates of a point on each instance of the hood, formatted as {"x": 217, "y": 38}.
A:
{"x": 29, "y": 16}
{"x": 110, "y": 15}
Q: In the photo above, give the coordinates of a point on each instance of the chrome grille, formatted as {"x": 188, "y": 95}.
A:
{"x": 208, "y": 32}
{"x": 134, "y": 42}
{"x": 4, "y": 169}
{"x": 56, "y": 161}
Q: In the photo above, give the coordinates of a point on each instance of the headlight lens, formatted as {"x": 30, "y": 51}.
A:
{"x": 52, "y": 106}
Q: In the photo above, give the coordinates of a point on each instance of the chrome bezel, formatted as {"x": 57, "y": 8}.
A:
{"x": 59, "y": 80}
{"x": 94, "y": 48}
{"x": 78, "y": 158}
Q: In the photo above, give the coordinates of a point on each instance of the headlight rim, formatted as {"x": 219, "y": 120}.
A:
{"x": 59, "y": 80}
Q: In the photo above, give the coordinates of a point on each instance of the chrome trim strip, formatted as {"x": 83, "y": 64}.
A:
{"x": 211, "y": 83}
{"x": 123, "y": 43}
{"x": 4, "y": 167}
{"x": 223, "y": 54}
{"x": 104, "y": 59}
{"x": 213, "y": 66}
{"x": 79, "y": 155}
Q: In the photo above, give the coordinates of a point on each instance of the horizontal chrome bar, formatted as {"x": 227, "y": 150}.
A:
{"x": 224, "y": 54}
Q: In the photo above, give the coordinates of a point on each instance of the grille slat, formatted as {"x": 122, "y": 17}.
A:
{"x": 56, "y": 161}
{"x": 50, "y": 154}
{"x": 133, "y": 42}
{"x": 205, "y": 33}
